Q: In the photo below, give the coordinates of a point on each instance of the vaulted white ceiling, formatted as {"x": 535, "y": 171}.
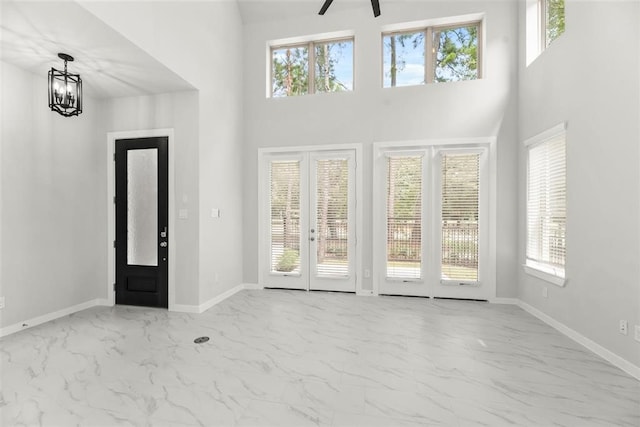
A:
{"x": 32, "y": 34}
{"x": 275, "y": 10}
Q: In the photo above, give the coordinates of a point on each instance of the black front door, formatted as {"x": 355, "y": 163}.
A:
{"x": 142, "y": 217}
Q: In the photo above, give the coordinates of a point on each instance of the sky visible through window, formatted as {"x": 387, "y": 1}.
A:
{"x": 344, "y": 65}
{"x": 454, "y": 57}
{"x": 333, "y": 68}
{"x": 409, "y": 59}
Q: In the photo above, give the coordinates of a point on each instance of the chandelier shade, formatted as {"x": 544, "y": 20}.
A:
{"x": 65, "y": 90}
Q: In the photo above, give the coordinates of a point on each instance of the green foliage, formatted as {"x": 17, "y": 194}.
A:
{"x": 456, "y": 54}
{"x": 555, "y": 20}
{"x": 288, "y": 261}
{"x": 395, "y": 45}
{"x": 460, "y": 188}
{"x": 290, "y": 69}
{"x": 328, "y": 55}
{"x": 405, "y": 181}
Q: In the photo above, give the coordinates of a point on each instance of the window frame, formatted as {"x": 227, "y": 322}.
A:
{"x": 540, "y": 269}
{"x": 311, "y": 58}
{"x": 536, "y": 29}
{"x": 429, "y": 66}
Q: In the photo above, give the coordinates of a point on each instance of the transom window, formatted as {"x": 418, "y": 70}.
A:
{"x": 552, "y": 20}
{"x": 432, "y": 55}
{"x": 545, "y": 22}
{"x": 314, "y": 67}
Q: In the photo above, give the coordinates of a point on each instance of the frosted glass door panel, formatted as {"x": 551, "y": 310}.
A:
{"x": 142, "y": 202}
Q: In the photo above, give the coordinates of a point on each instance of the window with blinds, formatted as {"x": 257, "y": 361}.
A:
{"x": 460, "y": 206}
{"x": 404, "y": 217}
{"x": 285, "y": 216}
{"x": 547, "y": 205}
{"x": 332, "y": 215}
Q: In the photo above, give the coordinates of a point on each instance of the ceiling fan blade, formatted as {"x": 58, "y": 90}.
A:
{"x": 325, "y": 6}
{"x": 375, "y": 4}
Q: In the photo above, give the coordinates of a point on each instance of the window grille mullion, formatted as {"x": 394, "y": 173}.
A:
{"x": 429, "y": 57}
{"x": 312, "y": 68}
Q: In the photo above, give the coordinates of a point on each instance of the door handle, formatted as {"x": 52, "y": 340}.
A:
{"x": 163, "y": 244}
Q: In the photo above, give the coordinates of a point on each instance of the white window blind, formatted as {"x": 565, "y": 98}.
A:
{"x": 460, "y": 207}
{"x": 285, "y": 216}
{"x": 546, "y": 205}
{"x": 404, "y": 217}
{"x": 332, "y": 218}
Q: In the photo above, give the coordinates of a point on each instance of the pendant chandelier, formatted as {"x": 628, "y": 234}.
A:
{"x": 65, "y": 90}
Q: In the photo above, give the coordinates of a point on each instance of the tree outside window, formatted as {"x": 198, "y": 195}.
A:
{"x": 553, "y": 20}
{"x": 332, "y": 69}
{"x": 431, "y": 55}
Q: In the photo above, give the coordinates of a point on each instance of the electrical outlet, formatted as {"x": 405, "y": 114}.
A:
{"x": 637, "y": 333}
{"x": 1, "y": 302}
{"x": 545, "y": 293}
{"x": 367, "y": 273}
{"x": 624, "y": 326}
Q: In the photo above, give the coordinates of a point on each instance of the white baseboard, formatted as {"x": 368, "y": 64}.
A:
{"x": 184, "y": 308}
{"x": 104, "y": 302}
{"x": 197, "y": 309}
{"x": 364, "y": 292}
{"x": 218, "y": 299}
{"x": 26, "y": 324}
{"x": 501, "y": 300}
{"x": 607, "y": 355}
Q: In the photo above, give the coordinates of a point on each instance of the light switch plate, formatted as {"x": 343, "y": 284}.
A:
{"x": 215, "y": 213}
{"x": 183, "y": 214}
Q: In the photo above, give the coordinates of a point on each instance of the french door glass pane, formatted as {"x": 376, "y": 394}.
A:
{"x": 460, "y": 205}
{"x": 142, "y": 207}
{"x": 404, "y": 217}
{"x": 285, "y": 216}
{"x": 332, "y": 236}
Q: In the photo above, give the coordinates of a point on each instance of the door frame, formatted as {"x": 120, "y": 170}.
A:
{"x": 263, "y": 226}
{"x": 379, "y": 199}
{"x": 111, "y": 208}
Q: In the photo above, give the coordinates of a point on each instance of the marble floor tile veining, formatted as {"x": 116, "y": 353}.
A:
{"x": 291, "y": 358}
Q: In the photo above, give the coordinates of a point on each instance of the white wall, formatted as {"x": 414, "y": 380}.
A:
{"x": 178, "y": 111}
{"x": 53, "y": 203}
{"x": 589, "y": 77}
{"x": 201, "y": 42}
{"x": 485, "y": 107}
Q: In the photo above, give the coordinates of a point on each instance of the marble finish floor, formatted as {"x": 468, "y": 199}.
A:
{"x": 290, "y": 358}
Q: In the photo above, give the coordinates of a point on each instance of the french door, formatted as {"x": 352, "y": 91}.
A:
{"x": 430, "y": 225}
{"x": 307, "y": 228}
